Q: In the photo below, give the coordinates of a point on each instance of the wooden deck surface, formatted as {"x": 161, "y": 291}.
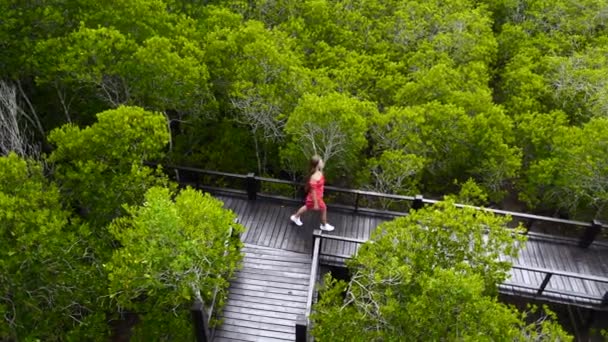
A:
{"x": 266, "y": 297}
{"x": 268, "y": 225}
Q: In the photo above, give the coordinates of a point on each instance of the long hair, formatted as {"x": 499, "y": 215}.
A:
{"x": 314, "y": 163}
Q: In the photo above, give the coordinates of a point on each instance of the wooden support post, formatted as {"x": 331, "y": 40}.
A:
{"x": 605, "y": 299}
{"x": 198, "y": 180}
{"x": 590, "y": 234}
{"x": 357, "y": 194}
{"x": 315, "y": 234}
{"x": 199, "y": 321}
{"x": 418, "y": 202}
{"x": 233, "y": 232}
{"x": 301, "y": 328}
{"x": 528, "y": 225}
{"x": 252, "y": 186}
{"x": 544, "y": 284}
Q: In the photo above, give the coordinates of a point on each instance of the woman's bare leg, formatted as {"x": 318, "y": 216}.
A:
{"x": 324, "y": 215}
{"x": 300, "y": 211}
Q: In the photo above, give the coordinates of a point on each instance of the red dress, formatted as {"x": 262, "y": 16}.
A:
{"x": 317, "y": 186}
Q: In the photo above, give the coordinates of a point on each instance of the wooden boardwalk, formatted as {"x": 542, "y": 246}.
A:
{"x": 268, "y": 294}
{"x": 268, "y": 225}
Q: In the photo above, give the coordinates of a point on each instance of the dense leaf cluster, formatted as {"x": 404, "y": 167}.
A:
{"x": 486, "y": 90}
{"x": 91, "y": 238}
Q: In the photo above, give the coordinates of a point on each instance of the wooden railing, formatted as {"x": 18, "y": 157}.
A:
{"x": 548, "y": 274}
{"x": 250, "y": 184}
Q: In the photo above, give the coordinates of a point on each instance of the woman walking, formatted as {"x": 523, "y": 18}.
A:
{"x": 314, "y": 199}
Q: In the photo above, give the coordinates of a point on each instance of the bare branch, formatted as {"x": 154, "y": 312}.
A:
{"x": 13, "y": 131}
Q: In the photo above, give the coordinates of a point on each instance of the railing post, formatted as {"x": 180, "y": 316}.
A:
{"x": 418, "y": 202}
{"x": 199, "y": 320}
{"x": 357, "y": 200}
{"x": 252, "y": 186}
{"x": 233, "y": 232}
{"x": 315, "y": 235}
{"x": 528, "y": 225}
{"x": 544, "y": 283}
{"x": 590, "y": 234}
{"x": 605, "y": 299}
{"x": 301, "y": 328}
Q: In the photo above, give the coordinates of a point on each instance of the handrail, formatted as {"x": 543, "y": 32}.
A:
{"x": 540, "y": 290}
{"x": 313, "y": 272}
{"x": 252, "y": 184}
{"x": 303, "y": 322}
{"x": 563, "y": 273}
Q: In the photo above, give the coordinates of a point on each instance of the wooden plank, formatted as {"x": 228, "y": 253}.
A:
{"x": 281, "y": 224}
{"x": 264, "y": 310}
{"x": 270, "y": 283}
{"x": 276, "y": 223}
{"x": 257, "y": 223}
{"x": 286, "y": 264}
{"x": 272, "y": 249}
{"x": 237, "y": 284}
{"x": 341, "y": 229}
{"x": 277, "y": 273}
{"x": 303, "y": 258}
{"x": 231, "y": 334}
{"x": 288, "y": 226}
{"x": 261, "y": 219}
{"x": 246, "y": 274}
{"x": 349, "y": 221}
{"x": 535, "y": 262}
{"x": 279, "y": 221}
{"x": 284, "y": 320}
{"x": 247, "y": 221}
{"x": 263, "y": 294}
{"x": 289, "y": 235}
{"x": 250, "y": 301}
{"x": 585, "y": 267}
{"x": 266, "y": 225}
{"x": 238, "y": 206}
{"x": 299, "y": 270}
{"x": 558, "y": 283}
{"x": 300, "y": 236}
{"x": 263, "y": 335}
{"x": 259, "y": 325}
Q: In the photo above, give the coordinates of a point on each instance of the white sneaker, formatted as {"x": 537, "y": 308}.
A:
{"x": 327, "y": 227}
{"x": 296, "y": 220}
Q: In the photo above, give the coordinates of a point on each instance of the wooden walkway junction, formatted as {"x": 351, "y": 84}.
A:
{"x": 267, "y": 297}
{"x": 272, "y": 295}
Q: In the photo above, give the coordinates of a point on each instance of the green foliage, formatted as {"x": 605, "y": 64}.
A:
{"x": 401, "y": 96}
{"x": 471, "y": 193}
{"x": 46, "y": 286}
{"x": 172, "y": 252}
{"x": 332, "y": 126}
{"x": 571, "y": 176}
{"x": 431, "y": 275}
{"x": 101, "y": 166}
{"x": 393, "y": 172}
{"x": 454, "y": 144}
{"x": 443, "y": 236}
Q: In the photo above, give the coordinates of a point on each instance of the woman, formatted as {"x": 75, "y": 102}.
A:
{"x": 314, "y": 200}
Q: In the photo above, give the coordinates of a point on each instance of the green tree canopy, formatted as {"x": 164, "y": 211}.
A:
{"x": 332, "y": 126}
{"x": 47, "y": 288}
{"x": 431, "y": 275}
{"x": 172, "y": 251}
